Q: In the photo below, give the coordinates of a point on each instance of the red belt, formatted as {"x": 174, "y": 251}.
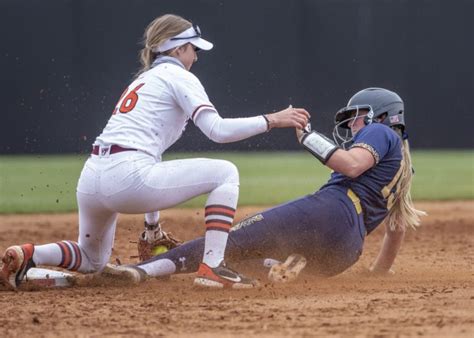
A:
{"x": 113, "y": 149}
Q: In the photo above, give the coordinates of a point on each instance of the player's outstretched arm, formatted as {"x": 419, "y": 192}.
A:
{"x": 225, "y": 130}
{"x": 351, "y": 163}
{"x": 391, "y": 244}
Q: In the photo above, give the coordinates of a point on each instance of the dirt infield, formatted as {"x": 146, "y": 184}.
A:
{"x": 431, "y": 294}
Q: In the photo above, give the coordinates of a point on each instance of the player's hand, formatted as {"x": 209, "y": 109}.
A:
{"x": 301, "y": 132}
{"x": 289, "y": 118}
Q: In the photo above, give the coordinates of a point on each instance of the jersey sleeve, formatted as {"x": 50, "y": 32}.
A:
{"x": 190, "y": 95}
{"x": 229, "y": 130}
{"x": 377, "y": 139}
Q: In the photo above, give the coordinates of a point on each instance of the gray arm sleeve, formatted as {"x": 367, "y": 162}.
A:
{"x": 229, "y": 130}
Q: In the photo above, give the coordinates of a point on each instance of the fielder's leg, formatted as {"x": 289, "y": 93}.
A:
{"x": 94, "y": 247}
{"x": 90, "y": 254}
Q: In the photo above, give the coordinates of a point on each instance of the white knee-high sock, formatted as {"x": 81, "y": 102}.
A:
{"x": 219, "y": 216}
{"x": 214, "y": 247}
{"x": 48, "y": 254}
{"x": 161, "y": 267}
{"x": 64, "y": 254}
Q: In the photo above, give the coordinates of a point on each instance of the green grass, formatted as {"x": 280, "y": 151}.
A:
{"x": 443, "y": 175}
{"x": 39, "y": 183}
{"x": 31, "y": 184}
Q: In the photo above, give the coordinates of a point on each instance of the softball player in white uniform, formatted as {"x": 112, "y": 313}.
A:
{"x": 125, "y": 173}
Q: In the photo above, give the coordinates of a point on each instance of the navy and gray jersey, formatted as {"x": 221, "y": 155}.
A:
{"x": 375, "y": 187}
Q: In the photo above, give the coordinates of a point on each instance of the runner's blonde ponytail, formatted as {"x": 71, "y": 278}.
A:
{"x": 403, "y": 213}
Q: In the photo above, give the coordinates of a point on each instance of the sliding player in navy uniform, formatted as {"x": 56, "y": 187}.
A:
{"x": 370, "y": 184}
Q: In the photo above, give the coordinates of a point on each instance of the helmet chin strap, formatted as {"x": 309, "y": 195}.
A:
{"x": 369, "y": 118}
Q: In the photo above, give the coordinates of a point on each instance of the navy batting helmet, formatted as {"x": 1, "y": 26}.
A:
{"x": 381, "y": 103}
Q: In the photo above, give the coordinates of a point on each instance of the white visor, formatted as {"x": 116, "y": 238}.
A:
{"x": 191, "y": 35}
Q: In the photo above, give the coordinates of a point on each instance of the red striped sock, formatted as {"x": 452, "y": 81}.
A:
{"x": 219, "y": 217}
{"x": 71, "y": 258}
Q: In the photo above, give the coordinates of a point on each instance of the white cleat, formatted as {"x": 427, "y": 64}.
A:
{"x": 123, "y": 273}
{"x": 287, "y": 271}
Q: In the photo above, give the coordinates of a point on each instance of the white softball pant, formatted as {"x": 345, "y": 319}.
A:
{"x": 132, "y": 182}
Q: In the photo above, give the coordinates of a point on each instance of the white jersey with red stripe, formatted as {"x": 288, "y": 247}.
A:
{"x": 153, "y": 111}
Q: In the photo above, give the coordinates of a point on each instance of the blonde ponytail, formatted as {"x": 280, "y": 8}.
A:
{"x": 157, "y": 32}
{"x": 146, "y": 59}
{"x": 403, "y": 213}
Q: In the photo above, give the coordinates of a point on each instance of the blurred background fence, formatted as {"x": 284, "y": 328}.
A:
{"x": 65, "y": 63}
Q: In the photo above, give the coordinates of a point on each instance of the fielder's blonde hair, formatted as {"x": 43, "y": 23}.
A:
{"x": 157, "y": 32}
{"x": 403, "y": 213}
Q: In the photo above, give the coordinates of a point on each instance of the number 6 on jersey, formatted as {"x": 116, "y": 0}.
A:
{"x": 127, "y": 101}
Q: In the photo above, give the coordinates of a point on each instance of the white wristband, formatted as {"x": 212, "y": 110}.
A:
{"x": 319, "y": 145}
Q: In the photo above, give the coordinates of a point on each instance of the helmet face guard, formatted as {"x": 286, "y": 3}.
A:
{"x": 341, "y": 133}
